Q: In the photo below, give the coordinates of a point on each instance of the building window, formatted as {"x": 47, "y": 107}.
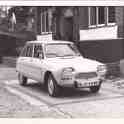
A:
{"x": 93, "y": 17}
{"x": 100, "y": 16}
{"x": 111, "y": 14}
{"x": 45, "y": 22}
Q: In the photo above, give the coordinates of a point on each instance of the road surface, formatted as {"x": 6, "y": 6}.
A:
{"x": 33, "y": 101}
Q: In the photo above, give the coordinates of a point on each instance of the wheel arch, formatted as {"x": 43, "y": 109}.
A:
{"x": 47, "y": 73}
{"x": 56, "y": 75}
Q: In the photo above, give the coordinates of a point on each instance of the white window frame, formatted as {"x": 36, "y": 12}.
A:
{"x": 97, "y": 18}
{"x": 108, "y": 23}
{"x": 89, "y": 18}
{"x": 50, "y": 17}
{"x": 45, "y": 18}
{"x": 43, "y": 15}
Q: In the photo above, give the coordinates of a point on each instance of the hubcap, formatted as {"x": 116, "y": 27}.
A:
{"x": 50, "y": 86}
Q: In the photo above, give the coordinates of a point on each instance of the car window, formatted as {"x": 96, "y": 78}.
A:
{"x": 38, "y": 50}
{"x": 23, "y": 53}
{"x": 29, "y": 50}
{"x": 61, "y": 50}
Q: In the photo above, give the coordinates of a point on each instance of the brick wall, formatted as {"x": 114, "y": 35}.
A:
{"x": 106, "y": 51}
{"x": 83, "y": 17}
{"x": 120, "y": 20}
{"x": 7, "y": 45}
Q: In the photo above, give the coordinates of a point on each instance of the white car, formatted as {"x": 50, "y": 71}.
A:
{"x": 58, "y": 64}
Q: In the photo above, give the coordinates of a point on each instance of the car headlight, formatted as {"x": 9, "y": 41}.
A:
{"x": 67, "y": 73}
{"x": 69, "y": 69}
{"x": 101, "y": 70}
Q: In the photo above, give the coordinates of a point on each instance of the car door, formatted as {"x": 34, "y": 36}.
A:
{"x": 37, "y": 62}
{"x": 28, "y": 60}
{"x": 22, "y": 60}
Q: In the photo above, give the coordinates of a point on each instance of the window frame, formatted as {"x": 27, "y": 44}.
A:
{"x": 45, "y": 15}
{"x": 108, "y": 23}
{"x": 28, "y": 50}
{"x": 23, "y": 52}
{"x": 89, "y": 18}
{"x": 35, "y": 45}
{"x": 106, "y": 16}
{"x": 102, "y": 24}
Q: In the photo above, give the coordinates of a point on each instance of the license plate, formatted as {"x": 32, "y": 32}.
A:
{"x": 88, "y": 84}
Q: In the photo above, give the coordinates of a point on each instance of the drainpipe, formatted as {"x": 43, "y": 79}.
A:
{"x": 36, "y": 20}
{"x": 76, "y": 25}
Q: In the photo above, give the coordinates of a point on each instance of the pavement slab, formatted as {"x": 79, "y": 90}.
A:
{"x": 12, "y": 106}
{"x": 96, "y": 109}
{"x": 7, "y": 72}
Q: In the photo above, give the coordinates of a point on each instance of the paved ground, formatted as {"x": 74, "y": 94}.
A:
{"x": 12, "y": 105}
{"x": 33, "y": 100}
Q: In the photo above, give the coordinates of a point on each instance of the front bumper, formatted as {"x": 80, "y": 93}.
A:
{"x": 87, "y": 83}
{"x": 81, "y": 83}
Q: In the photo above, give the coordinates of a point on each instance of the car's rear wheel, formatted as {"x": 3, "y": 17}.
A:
{"x": 22, "y": 79}
{"x": 95, "y": 89}
{"x": 53, "y": 88}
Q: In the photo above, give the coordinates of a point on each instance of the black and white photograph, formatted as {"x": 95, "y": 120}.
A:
{"x": 61, "y": 61}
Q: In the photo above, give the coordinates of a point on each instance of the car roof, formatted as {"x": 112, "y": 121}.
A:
{"x": 49, "y": 42}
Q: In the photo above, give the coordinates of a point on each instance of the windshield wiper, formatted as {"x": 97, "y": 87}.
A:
{"x": 67, "y": 55}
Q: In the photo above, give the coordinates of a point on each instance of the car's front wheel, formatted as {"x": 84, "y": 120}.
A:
{"x": 95, "y": 89}
{"x": 53, "y": 88}
{"x": 22, "y": 79}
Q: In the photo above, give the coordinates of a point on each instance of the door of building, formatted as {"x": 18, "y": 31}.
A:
{"x": 68, "y": 28}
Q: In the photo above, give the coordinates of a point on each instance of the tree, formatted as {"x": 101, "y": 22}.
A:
{"x": 22, "y": 14}
{"x": 3, "y": 19}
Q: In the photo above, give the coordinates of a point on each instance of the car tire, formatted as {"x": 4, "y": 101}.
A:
{"x": 22, "y": 79}
{"x": 52, "y": 86}
{"x": 95, "y": 89}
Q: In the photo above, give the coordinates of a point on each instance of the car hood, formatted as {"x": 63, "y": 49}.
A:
{"x": 80, "y": 64}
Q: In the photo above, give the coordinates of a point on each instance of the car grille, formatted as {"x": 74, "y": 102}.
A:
{"x": 86, "y": 75}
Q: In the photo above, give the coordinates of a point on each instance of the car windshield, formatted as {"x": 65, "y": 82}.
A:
{"x": 61, "y": 50}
